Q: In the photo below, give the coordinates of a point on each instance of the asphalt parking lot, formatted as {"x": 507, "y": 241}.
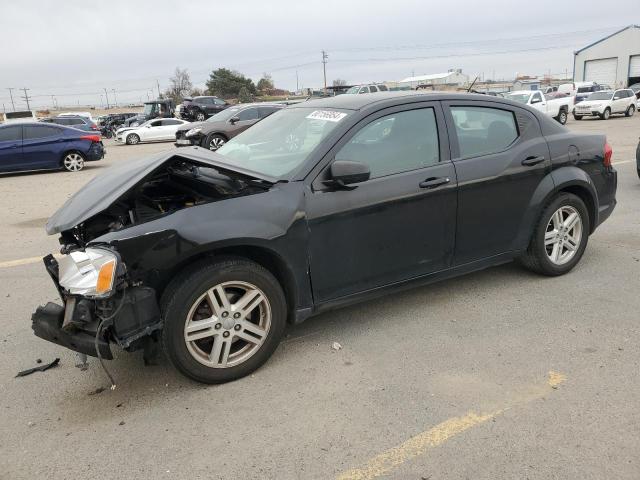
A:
{"x": 498, "y": 374}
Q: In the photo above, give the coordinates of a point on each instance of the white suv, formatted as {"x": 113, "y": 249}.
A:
{"x": 604, "y": 104}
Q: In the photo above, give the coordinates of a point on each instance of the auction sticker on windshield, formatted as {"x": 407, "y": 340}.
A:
{"x": 327, "y": 115}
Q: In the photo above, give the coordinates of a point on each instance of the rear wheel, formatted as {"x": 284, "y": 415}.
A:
{"x": 630, "y": 111}
{"x": 222, "y": 320}
{"x": 560, "y": 237}
{"x": 562, "y": 117}
{"x": 606, "y": 114}
{"x": 73, "y": 162}
{"x": 132, "y": 139}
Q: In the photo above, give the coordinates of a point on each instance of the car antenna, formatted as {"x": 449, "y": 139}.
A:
{"x": 472, "y": 84}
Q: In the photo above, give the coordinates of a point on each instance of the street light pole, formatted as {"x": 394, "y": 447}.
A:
{"x": 324, "y": 69}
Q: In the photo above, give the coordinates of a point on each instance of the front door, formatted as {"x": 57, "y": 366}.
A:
{"x": 500, "y": 157}
{"x": 399, "y": 224}
{"x": 10, "y": 147}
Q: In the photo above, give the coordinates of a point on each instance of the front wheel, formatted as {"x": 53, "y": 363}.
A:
{"x": 132, "y": 139}
{"x": 214, "y": 142}
{"x": 201, "y": 117}
{"x": 222, "y": 320}
{"x": 562, "y": 117}
{"x": 577, "y": 117}
{"x": 606, "y": 114}
{"x": 73, "y": 162}
{"x": 630, "y": 111}
{"x": 559, "y": 238}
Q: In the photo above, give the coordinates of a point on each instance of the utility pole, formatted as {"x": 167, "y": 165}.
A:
{"x": 106, "y": 96}
{"x": 324, "y": 69}
{"x": 11, "y": 95}
{"x": 297, "y": 89}
{"x": 26, "y": 97}
{"x": 115, "y": 99}
{"x": 158, "y": 84}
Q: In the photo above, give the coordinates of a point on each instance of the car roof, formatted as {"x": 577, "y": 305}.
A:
{"x": 360, "y": 101}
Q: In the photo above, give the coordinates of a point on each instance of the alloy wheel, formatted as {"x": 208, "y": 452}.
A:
{"x": 216, "y": 143}
{"x": 200, "y": 117}
{"x": 227, "y": 324}
{"x": 563, "y": 117}
{"x": 73, "y": 162}
{"x": 563, "y": 235}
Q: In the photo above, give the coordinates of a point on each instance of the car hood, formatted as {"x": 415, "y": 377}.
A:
{"x": 106, "y": 188}
{"x": 189, "y": 126}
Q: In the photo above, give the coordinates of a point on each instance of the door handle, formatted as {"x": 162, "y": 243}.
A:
{"x": 531, "y": 161}
{"x": 434, "y": 182}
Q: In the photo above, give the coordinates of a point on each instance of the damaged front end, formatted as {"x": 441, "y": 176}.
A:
{"x": 108, "y": 299}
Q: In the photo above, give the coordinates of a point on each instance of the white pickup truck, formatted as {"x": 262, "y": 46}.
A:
{"x": 558, "y": 108}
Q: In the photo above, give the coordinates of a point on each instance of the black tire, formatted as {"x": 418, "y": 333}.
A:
{"x": 201, "y": 116}
{"x": 214, "y": 141}
{"x": 562, "y": 117}
{"x": 577, "y": 117}
{"x": 606, "y": 114}
{"x": 132, "y": 139}
{"x": 536, "y": 258}
{"x": 191, "y": 284}
{"x": 630, "y": 111}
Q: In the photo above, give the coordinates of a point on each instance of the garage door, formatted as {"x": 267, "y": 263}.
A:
{"x": 601, "y": 71}
{"x": 634, "y": 66}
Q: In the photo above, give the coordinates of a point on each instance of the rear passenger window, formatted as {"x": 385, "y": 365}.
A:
{"x": 39, "y": 131}
{"x": 395, "y": 143}
{"x": 483, "y": 130}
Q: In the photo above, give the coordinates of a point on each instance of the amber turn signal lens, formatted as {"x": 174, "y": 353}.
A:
{"x": 105, "y": 277}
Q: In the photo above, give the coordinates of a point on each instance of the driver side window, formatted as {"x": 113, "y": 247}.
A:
{"x": 395, "y": 143}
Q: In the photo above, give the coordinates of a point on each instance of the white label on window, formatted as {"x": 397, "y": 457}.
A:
{"x": 327, "y": 115}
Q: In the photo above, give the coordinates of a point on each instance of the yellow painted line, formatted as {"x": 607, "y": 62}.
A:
{"x": 23, "y": 261}
{"x": 420, "y": 444}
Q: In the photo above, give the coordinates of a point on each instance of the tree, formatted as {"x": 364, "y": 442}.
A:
{"x": 196, "y": 92}
{"x": 265, "y": 83}
{"x": 179, "y": 85}
{"x": 339, "y": 82}
{"x": 227, "y": 84}
{"x": 244, "y": 96}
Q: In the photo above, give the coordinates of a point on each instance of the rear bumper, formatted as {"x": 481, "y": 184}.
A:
{"x": 608, "y": 202}
{"x": 96, "y": 152}
{"x": 47, "y": 324}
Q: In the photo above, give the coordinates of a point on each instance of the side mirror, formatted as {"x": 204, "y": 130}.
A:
{"x": 233, "y": 120}
{"x": 345, "y": 172}
{"x": 148, "y": 126}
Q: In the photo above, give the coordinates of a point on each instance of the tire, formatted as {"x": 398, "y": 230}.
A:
{"x": 538, "y": 256}
{"x": 606, "y": 114}
{"x": 189, "y": 296}
{"x": 577, "y": 117}
{"x": 562, "y": 117}
{"x": 132, "y": 139}
{"x": 201, "y": 117}
{"x": 214, "y": 141}
{"x": 630, "y": 111}
{"x": 73, "y": 161}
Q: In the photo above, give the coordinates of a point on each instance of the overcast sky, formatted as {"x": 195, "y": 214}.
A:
{"x": 75, "y": 49}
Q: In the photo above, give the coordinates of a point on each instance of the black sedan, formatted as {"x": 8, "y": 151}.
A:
{"x": 320, "y": 205}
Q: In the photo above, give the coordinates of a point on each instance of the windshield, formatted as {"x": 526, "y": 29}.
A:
{"x": 585, "y": 89}
{"x": 149, "y": 108}
{"x": 353, "y": 89}
{"x": 600, "y": 96}
{"x": 519, "y": 97}
{"x": 281, "y": 142}
{"x": 225, "y": 114}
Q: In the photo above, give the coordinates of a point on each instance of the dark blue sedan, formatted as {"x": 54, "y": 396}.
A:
{"x": 36, "y": 146}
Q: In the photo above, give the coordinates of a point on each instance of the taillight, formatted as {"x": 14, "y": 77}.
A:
{"x": 608, "y": 152}
{"x": 94, "y": 127}
{"x": 91, "y": 138}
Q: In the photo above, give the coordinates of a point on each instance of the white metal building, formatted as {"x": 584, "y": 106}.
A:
{"x": 612, "y": 60}
{"x": 452, "y": 77}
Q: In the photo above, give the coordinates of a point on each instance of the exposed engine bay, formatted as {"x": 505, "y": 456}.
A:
{"x": 175, "y": 186}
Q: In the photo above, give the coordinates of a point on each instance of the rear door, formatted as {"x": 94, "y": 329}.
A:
{"x": 41, "y": 146}
{"x": 10, "y": 147}
{"x": 167, "y": 130}
{"x": 500, "y": 157}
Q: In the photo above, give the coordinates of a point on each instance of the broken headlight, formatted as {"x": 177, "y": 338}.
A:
{"x": 193, "y": 131}
{"x": 90, "y": 273}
